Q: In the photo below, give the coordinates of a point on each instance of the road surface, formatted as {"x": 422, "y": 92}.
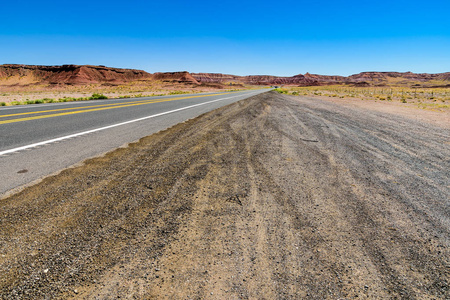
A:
{"x": 272, "y": 197}
{"x": 38, "y": 140}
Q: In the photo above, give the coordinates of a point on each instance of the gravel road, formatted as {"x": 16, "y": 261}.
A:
{"x": 273, "y": 197}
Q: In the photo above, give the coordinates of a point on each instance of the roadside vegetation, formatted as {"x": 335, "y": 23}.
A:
{"x": 36, "y": 94}
{"x": 424, "y": 98}
{"x": 94, "y": 96}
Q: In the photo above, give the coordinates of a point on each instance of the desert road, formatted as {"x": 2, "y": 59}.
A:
{"x": 38, "y": 140}
{"x": 271, "y": 197}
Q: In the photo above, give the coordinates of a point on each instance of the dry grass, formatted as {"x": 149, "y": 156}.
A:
{"x": 14, "y": 95}
{"x": 424, "y": 98}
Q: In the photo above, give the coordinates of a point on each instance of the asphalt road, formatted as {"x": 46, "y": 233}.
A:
{"x": 39, "y": 140}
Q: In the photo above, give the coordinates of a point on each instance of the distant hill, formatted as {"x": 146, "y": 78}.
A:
{"x": 25, "y": 75}
{"x": 361, "y": 79}
{"x": 82, "y": 75}
{"x": 67, "y": 74}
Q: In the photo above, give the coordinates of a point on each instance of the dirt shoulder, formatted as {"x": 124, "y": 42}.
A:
{"x": 271, "y": 197}
{"x": 440, "y": 117}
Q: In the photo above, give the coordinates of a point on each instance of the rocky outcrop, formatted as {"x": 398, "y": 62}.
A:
{"x": 361, "y": 79}
{"x": 81, "y": 75}
{"x": 387, "y": 77}
{"x": 68, "y": 74}
{"x": 216, "y": 78}
{"x": 181, "y": 77}
{"x": 86, "y": 74}
{"x": 307, "y": 79}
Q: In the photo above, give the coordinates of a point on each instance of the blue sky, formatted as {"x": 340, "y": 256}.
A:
{"x": 235, "y": 37}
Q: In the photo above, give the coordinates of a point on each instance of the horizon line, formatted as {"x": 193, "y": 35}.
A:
{"x": 103, "y": 66}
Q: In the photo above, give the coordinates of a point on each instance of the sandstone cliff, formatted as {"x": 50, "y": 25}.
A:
{"x": 182, "y": 77}
{"x": 67, "y": 74}
{"x": 23, "y": 75}
{"x": 361, "y": 79}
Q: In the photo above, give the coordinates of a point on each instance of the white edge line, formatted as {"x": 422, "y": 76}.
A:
{"x": 108, "y": 127}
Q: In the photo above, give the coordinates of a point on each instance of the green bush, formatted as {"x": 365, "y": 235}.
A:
{"x": 30, "y": 102}
{"x": 69, "y": 99}
{"x": 97, "y": 96}
{"x": 281, "y": 91}
{"x": 2, "y": 104}
{"x": 178, "y": 93}
{"x": 39, "y": 101}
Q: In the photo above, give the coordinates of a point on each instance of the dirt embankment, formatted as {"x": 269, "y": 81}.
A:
{"x": 273, "y": 197}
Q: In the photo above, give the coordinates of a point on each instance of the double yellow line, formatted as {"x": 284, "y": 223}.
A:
{"x": 80, "y": 110}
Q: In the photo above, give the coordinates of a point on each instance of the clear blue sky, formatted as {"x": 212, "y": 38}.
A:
{"x": 236, "y": 37}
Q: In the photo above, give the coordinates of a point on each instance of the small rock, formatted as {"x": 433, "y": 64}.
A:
{"x": 46, "y": 271}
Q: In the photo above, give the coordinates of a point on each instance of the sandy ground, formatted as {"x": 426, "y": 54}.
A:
{"x": 411, "y": 110}
{"x": 273, "y": 197}
{"x": 9, "y": 94}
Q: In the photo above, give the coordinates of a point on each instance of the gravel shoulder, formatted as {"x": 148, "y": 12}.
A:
{"x": 438, "y": 117}
{"x": 272, "y": 197}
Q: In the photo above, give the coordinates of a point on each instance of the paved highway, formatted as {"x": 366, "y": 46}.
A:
{"x": 39, "y": 140}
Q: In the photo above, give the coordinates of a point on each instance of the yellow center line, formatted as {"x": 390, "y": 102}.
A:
{"x": 102, "y": 108}
{"x": 70, "y": 108}
{"x": 91, "y": 106}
